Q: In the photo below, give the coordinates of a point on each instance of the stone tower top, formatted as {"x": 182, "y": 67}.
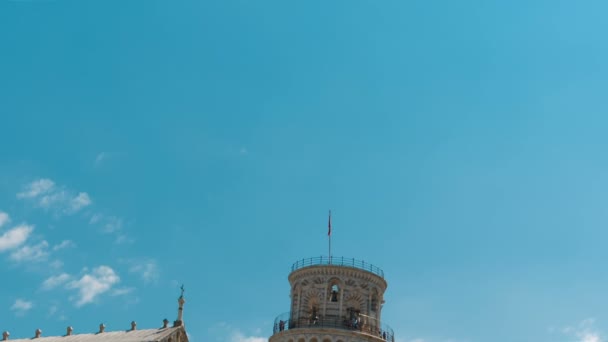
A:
{"x": 339, "y": 296}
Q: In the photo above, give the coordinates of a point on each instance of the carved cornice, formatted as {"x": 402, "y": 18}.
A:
{"x": 343, "y": 272}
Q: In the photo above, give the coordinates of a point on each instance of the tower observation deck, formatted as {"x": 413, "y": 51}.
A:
{"x": 334, "y": 300}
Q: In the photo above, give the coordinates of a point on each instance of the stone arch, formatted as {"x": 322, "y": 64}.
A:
{"x": 313, "y": 339}
{"x": 312, "y": 297}
{"x": 294, "y": 296}
{"x": 326, "y": 340}
{"x": 335, "y": 287}
{"x": 374, "y": 302}
{"x": 311, "y": 304}
{"x": 355, "y": 301}
{"x": 301, "y": 339}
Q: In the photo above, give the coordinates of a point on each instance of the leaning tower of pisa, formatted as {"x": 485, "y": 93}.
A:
{"x": 334, "y": 300}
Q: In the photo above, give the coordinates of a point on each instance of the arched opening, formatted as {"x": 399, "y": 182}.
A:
{"x": 314, "y": 315}
{"x": 374, "y": 302}
{"x": 314, "y": 339}
{"x": 311, "y": 310}
{"x": 354, "y": 320}
{"x": 326, "y": 340}
{"x": 335, "y": 291}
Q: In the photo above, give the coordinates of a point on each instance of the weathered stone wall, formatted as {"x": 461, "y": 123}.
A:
{"x": 323, "y": 335}
{"x": 357, "y": 290}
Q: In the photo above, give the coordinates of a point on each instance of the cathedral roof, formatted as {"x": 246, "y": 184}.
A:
{"x": 147, "y": 335}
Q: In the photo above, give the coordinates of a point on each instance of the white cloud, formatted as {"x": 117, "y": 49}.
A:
{"x": 53, "y": 199}
{"x": 15, "y": 237}
{"x": 237, "y": 336}
{"x": 225, "y": 332}
{"x": 80, "y": 201}
{"x": 38, "y": 252}
{"x": 112, "y": 225}
{"x": 64, "y": 244}
{"x": 590, "y": 337}
{"x": 48, "y": 196}
{"x": 585, "y": 331}
{"x": 36, "y": 188}
{"x": 147, "y": 270}
{"x": 93, "y": 284}
{"x": 21, "y": 307}
{"x": 95, "y": 218}
{"x": 4, "y": 218}
{"x": 54, "y": 281}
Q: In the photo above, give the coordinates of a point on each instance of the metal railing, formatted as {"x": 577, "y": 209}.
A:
{"x": 337, "y": 261}
{"x": 362, "y": 323}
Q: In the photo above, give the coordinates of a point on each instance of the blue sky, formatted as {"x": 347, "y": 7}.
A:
{"x": 460, "y": 145}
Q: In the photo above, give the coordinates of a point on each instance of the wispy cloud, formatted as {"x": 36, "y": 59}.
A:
{"x": 100, "y": 158}
{"x": 584, "y": 331}
{"x": 34, "y": 253}
{"x": 225, "y": 332}
{"x": 146, "y": 269}
{"x": 64, "y": 244}
{"x": 4, "y": 218}
{"x": 80, "y": 201}
{"x": 91, "y": 285}
{"x": 55, "y": 281}
{"x": 95, "y": 218}
{"x": 111, "y": 225}
{"x": 47, "y": 195}
{"x": 53, "y": 310}
{"x": 37, "y": 188}
{"x": 56, "y": 264}
{"x": 15, "y": 237}
{"x": 122, "y": 291}
{"x": 21, "y": 307}
{"x": 123, "y": 239}
{"x": 237, "y": 336}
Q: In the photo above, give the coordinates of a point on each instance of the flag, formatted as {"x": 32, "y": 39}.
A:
{"x": 329, "y": 225}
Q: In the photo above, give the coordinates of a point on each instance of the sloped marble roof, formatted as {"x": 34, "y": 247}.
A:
{"x": 148, "y": 335}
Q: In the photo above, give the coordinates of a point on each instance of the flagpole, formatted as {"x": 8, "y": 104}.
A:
{"x": 329, "y": 235}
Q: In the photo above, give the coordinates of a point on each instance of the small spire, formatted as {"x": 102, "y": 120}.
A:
{"x": 69, "y": 331}
{"x": 180, "y": 310}
{"x": 5, "y": 336}
{"x": 38, "y": 333}
{"x": 102, "y": 328}
{"x": 165, "y": 323}
{"x": 133, "y": 325}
